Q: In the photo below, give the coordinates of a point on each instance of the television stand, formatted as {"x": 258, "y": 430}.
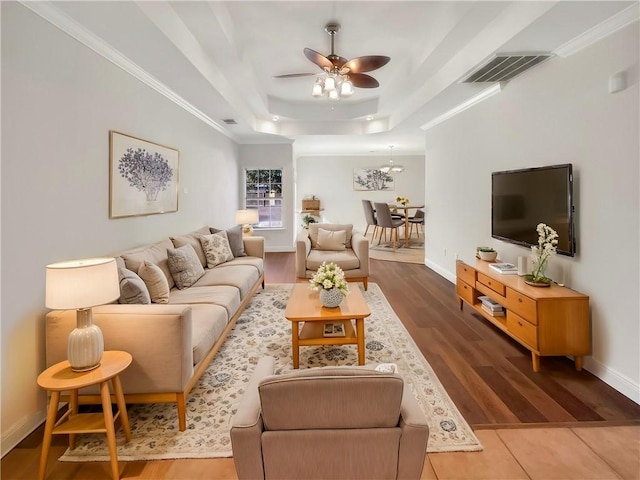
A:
{"x": 547, "y": 321}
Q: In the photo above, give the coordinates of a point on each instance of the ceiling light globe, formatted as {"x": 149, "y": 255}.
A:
{"x": 329, "y": 84}
{"x": 317, "y": 90}
{"x": 346, "y": 89}
{"x": 334, "y": 95}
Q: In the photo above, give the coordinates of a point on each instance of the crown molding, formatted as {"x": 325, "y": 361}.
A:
{"x": 72, "y": 28}
{"x": 602, "y": 30}
{"x": 480, "y": 97}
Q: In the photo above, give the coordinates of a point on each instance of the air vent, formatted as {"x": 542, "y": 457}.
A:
{"x": 505, "y": 66}
{"x": 229, "y": 121}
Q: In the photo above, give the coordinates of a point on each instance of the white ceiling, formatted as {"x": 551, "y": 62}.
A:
{"x": 218, "y": 59}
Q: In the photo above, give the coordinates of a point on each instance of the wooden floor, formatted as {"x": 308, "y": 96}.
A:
{"x": 554, "y": 424}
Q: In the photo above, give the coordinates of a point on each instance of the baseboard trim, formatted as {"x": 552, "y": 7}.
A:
{"x": 443, "y": 272}
{"x": 614, "y": 379}
{"x": 12, "y": 438}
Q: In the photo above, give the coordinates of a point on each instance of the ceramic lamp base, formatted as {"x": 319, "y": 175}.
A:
{"x": 85, "y": 344}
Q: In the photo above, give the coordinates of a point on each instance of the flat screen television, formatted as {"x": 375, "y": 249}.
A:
{"x": 521, "y": 199}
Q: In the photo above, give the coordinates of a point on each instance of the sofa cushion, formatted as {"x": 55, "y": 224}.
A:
{"x": 223, "y": 295}
{"x": 207, "y": 324}
{"x": 334, "y": 240}
{"x": 155, "y": 281}
{"x": 194, "y": 241}
{"x": 346, "y": 259}
{"x": 236, "y": 242}
{"x": 155, "y": 253}
{"x": 243, "y": 277}
{"x": 255, "y": 262}
{"x": 341, "y": 390}
{"x": 132, "y": 288}
{"x": 216, "y": 248}
{"x": 184, "y": 266}
{"x": 313, "y": 232}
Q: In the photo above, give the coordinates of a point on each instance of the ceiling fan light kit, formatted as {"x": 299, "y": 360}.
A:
{"x": 340, "y": 75}
{"x": 391, "y": 167}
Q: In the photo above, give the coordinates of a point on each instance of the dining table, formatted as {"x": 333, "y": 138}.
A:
{"x": 396, "y": 207}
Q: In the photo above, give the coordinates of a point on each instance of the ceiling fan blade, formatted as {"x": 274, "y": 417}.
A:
{"x": 366, "y": 64}
{"x": 294, "y": 75}
{"x": 317, "y": 58}
{"x": 362, "y": 80}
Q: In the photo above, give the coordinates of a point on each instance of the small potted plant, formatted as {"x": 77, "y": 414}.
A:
{"x": 547, "y": 246}
{"x": 402, "y": 200}
{"x": 487, "y": 254}
{"x": 307, "y": 219}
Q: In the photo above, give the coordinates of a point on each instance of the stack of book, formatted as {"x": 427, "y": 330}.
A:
{"x": 504, "y": 268}
{"x": 491, "y": 306}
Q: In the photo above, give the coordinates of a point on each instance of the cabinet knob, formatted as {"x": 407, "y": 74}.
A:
{"x": 520, "y": 300}
{"x": 520, "y": 323}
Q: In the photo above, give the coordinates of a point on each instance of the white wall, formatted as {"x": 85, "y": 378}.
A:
{"x": 331, "y": 180}
{"x": 558, "y": 112}
{"x": 59, "y": 101}
{"x": 273, "y": 156}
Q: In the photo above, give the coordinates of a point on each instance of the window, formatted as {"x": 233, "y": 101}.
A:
{"x": 263, "y": 191}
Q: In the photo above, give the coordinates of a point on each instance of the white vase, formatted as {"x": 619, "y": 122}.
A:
{"x": 331, "y": 298}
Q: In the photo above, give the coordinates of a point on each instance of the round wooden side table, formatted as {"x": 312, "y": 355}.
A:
{"x": 60, "y": 378}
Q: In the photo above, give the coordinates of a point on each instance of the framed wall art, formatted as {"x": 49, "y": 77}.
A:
{"x": 143, "y": 177}
{"x": 372, "y": 179}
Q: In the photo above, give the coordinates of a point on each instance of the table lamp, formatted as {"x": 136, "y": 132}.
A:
{"x": 82, "y": 284}
{"x": 246, "y": 218}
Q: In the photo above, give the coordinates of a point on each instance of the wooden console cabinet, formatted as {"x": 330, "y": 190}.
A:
{"x": 547, "y": 321}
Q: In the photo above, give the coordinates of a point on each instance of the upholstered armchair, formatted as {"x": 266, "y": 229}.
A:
{"x": 331, "y": 242}
{"x": 330, "y": 422}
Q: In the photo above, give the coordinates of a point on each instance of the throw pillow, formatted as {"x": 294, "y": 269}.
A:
{"x": 216, "y": 248}
{"x": 184, "y": 265}
{"x": 132, "y": 288}
{"x": 331, "y": 240}
{"x": 155, "y": 281}
{"x": 236, "y": 242}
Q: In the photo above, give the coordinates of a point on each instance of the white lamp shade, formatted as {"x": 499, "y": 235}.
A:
{"x": 82, "y": 283}
{"x": 247, "y": 217}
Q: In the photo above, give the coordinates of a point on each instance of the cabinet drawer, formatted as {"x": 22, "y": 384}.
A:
{"x": 466, "y": 273}
{"x": 494, "y": 285}
{"x": 522, "y": 329}
{"x": 522, "y": 305}
{"x": 465, "y": 291}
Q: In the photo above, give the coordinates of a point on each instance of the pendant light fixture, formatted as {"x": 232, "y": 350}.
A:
{"x": 391, "y": 167}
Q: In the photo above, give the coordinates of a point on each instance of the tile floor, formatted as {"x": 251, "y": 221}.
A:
{"x": 580, "y": 453}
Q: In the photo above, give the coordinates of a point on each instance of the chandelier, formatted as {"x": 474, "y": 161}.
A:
{"x": 391, "y": 167}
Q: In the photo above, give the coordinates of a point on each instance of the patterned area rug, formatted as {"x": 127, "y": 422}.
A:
{"x": 263, "y": 330}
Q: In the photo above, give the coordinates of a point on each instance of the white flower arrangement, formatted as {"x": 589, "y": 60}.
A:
{"x": 329, "y": 276}
{"x": 402, "y": 200}
{"x": 547, "y": 246}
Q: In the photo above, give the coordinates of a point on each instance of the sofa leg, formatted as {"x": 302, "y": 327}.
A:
{"x": 365, "y": 283}
{"x": 181, "y": 402}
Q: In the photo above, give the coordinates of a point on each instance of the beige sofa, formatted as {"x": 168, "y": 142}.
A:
{"x": 173, "y": 343}
{"x": 342, "y": 245}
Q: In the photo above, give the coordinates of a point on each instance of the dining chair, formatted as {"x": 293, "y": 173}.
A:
{"x": 370, "y": 216}
{"x": 418, "y": 221}
{"x": 383, "y": 216}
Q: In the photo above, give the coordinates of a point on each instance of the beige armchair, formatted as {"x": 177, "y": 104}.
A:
{"x": 330, "y": 422}
{"x": 331, "y": 242}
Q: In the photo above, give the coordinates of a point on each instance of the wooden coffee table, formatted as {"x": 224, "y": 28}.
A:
{"x": 304, "y": 307}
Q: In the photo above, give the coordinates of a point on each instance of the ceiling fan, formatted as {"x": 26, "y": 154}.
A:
{"x": 339, "y": 74}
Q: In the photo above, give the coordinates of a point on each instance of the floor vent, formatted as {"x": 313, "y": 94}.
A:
{"x": 505, "y": 66}
{"x": 229, "y": 121}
